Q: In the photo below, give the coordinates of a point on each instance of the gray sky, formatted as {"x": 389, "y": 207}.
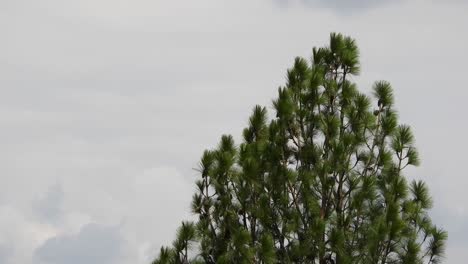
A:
{"x": 106, "y": 106}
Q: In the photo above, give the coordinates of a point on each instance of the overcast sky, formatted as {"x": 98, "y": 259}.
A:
{"x": 107, "y": 105}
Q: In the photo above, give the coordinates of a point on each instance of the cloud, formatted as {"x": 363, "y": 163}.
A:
{"x": 5, "y": 253}
{"x": 20, "y": 234}
{"x": 94, "y": 244}
{"x": 49, "y": 207}
{"x": 157, "y": 195}
{"x": 116, "y": 101}
{"x": 126, "y": 230}
{"x": 341, "y": 6}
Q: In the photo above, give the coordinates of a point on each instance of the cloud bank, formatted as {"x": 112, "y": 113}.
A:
{"x": 106, "y": 107}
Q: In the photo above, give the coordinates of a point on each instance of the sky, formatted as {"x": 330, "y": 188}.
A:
{"x": 106, "y": 107}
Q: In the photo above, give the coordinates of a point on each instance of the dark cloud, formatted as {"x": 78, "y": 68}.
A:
{"x": 94, "y": 244}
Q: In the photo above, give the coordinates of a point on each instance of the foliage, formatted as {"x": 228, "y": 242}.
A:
{"x": 320, "y": 183}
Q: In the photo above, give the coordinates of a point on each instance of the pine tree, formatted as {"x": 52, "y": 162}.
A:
{"x": 321, "y": 183}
